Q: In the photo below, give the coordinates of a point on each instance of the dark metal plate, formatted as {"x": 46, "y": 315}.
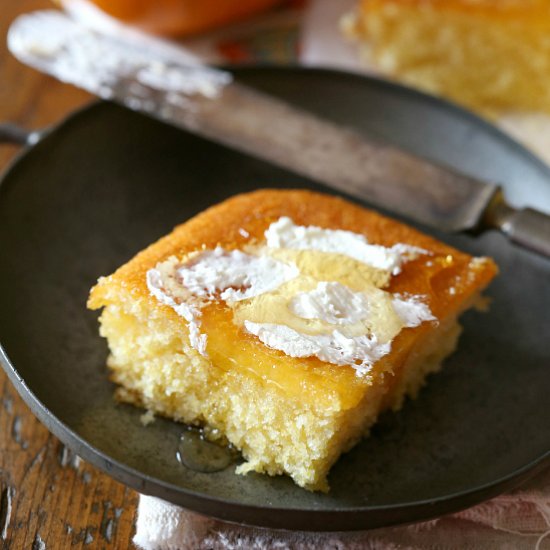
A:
{"x": 107, "y": 182}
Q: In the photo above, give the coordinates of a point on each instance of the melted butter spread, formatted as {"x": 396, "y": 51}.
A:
{"x": 328, "y": 286}
{"x": 331, "y": 266}
{"x": 306, "y": 291}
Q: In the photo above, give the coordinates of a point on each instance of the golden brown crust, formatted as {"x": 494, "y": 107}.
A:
{"x": 224, "y": 223}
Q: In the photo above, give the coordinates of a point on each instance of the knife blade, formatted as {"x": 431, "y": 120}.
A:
{"x": 210, "y": 103}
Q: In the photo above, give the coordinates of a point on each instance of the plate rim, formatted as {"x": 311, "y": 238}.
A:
{"x": 422, "y": 510}
{"x": 358, "y": 518}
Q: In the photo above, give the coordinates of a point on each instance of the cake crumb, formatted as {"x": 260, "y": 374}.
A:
{"x": 147, "y": 418}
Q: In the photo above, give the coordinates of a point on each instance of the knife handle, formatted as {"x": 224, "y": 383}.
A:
{"x": 527, "y": 227}
{"x": 16, "y": 135}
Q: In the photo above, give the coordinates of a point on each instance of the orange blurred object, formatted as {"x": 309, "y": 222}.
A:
{"x": 181, "y": 17}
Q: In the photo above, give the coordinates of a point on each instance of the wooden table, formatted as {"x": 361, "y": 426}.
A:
{"x": 49, "y": 499}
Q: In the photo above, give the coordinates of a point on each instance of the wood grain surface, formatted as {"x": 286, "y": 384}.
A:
{"x": 49, "y": 498}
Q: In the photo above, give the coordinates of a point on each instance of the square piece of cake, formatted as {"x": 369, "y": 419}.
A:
{"x": 285, "y": 322}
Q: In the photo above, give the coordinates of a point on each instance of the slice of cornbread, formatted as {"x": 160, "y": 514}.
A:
{"x": 489, "y": 55}
{"x": 285, "y": 321}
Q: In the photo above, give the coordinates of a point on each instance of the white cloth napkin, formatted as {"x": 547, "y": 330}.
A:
{"x": 517, "y": 520}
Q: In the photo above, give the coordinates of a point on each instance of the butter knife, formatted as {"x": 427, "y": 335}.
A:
{"x": 210, "y": 103}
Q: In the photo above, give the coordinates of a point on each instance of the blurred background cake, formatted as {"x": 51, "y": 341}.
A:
{"x": 486, "y": 54}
